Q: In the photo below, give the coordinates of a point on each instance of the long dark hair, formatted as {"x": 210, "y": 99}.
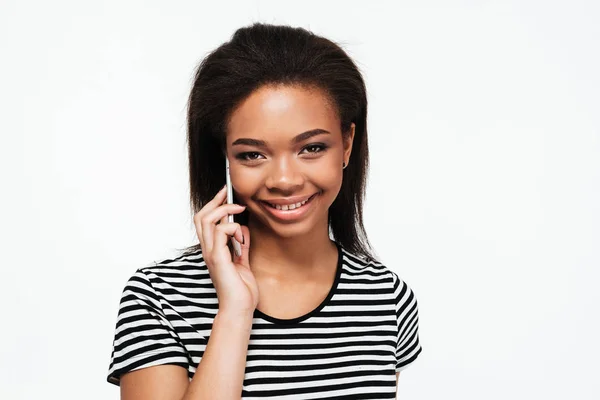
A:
{"x": 263, "y": 54}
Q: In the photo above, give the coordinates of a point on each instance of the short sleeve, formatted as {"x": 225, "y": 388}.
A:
{"x": 408, "y": 346}
{"x": 144, "y": 337}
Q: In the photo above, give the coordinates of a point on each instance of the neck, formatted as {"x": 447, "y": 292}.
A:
{"x": 296, "y": 258}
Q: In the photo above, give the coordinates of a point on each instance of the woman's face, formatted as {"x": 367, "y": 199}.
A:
{"x": 284, "y": 145}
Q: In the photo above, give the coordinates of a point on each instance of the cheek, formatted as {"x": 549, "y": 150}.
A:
{"x": 327, "y": 179}
{"x": 328, "y": 171}
{"x": 244, "y": 184}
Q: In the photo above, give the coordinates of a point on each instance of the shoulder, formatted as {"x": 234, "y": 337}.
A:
{"x": 372, "y": 269}
{"x": 184, "y": 265}
{"x": 181, "y": 261}
{"x": 357, "y": 265}
{"x": 162, "y": 277}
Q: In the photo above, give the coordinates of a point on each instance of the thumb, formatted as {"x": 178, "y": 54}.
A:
{"x": 244, "y": 259}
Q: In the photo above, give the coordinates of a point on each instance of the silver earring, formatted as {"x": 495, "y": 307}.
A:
{"x": 344, "y": 165}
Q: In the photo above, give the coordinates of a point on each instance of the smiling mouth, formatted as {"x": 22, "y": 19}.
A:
{"x": 289, "y": 207}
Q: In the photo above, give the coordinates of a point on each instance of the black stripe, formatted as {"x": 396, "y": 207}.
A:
{"x": 364, "y": 304}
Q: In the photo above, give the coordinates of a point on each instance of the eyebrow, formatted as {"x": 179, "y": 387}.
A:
{"x": 297, "y": 139}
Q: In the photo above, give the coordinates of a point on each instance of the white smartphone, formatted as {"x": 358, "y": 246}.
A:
{"x": 236, "y": 245}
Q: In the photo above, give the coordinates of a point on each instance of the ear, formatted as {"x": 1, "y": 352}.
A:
{"x": 348, "y": 140}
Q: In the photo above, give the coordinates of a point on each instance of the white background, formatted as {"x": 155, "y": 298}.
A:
{"x": 484, "y": 192}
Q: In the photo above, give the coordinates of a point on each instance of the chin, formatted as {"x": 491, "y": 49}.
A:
{"x": 292, "y": 231}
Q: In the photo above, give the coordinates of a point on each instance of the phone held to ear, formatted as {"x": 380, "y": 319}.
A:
{"x": 236, "y": 245}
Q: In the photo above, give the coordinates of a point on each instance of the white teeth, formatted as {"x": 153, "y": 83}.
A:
{"x": 288, "y": 206}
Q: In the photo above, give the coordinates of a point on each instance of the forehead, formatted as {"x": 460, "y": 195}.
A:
{"x": 280, "y": 111}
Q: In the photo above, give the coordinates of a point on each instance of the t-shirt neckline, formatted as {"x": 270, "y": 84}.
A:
{"x": 280, "y": 321}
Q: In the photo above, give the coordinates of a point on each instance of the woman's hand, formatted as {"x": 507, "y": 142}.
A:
{"x": 236, "y": 286}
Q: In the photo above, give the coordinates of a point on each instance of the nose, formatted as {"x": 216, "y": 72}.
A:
{"x": 284, "y": 176}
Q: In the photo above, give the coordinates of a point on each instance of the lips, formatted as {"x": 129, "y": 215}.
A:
{"x": 288, "y": 206}
{"x": 290, "y": 214}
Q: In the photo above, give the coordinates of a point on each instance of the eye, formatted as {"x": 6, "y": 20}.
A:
{"x": 248, "y": 156}
{"x": 316, "y": 148}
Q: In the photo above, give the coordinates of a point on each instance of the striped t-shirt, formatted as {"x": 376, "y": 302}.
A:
{"x": 349, "y": 347}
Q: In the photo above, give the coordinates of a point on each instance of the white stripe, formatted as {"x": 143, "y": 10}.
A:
{"x": 359, "y": 279}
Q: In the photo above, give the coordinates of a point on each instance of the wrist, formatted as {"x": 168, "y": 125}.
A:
{"x": 235, "y": 317}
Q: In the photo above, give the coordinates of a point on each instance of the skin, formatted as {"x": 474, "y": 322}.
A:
{"x": 164, "y": 382}
{"x": 287, "y": 256}
{"x": 289, "y": 253}
{"x": 293, "y": 262}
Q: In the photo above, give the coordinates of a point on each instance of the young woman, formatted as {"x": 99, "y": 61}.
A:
{"x": 306, "y": 311}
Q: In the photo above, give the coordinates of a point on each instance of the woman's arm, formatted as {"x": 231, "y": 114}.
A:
{"x": 219, "y": 375}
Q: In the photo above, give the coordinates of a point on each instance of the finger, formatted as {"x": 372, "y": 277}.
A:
{"x": 221, "y": 213}
{"x": 223, "y": 233}
{"x": 218, "y": 199}
{"x": 209, "y": 221}
{"x": 198, "y": 227}
{"x": 225, "y": 220}
{"x": 213, "y": 203}
{"x": 238, "y": 237}
{"x": 245, "y": 243}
